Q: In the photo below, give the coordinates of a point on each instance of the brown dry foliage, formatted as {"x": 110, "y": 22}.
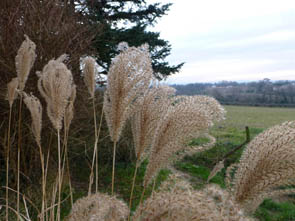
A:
{"x": 55, "y": 28}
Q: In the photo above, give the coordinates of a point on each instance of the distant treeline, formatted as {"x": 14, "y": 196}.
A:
{"x": 258, "y": 93}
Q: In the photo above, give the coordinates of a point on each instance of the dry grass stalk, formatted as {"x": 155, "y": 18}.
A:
{"x": 129, "y": 76}
{"x": 98, "y": 207}
{"x": 69, "y": 115}
{"x": 56, "y": 86}
{"x": 267, "y": 163}
{"x": 24, "y": 61}
{"x": 176, "y": 200}
{"x": 90, "y": 73}
{"x": 181, "y": 123}
{"x": 11, "y": 95}
{"x": 35, "y": 107}
{"x": 149, "y": 109}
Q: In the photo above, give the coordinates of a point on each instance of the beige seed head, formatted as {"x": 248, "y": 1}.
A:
{"x": 35, "y": 107}
{"x": 267, "y": 163}
{"x": 149, "y": 110}
{"x": 69, "y": 114}
{"x": 181, "y": 123}
{"x": 178, "y": 201}
{"x": 24, "y": 61}
{"x": 207, "y": 104}
{"x": 12, "y": 91}
{"x": 98, "y": 207}
{"x": 90, "y": 72}
{"x": 55, "y": 85}
{"x": 129, "y": 76}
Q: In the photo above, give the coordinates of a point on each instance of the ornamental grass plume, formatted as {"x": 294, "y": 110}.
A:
{"x": 180, "y": 124}
{"x": 129, "y": 76}
{"x": 90, "y": 73}
{"x": 266, "y": 165}
{"x": 24, "y": 61}
{"x": 98, "y": 207}
{"x": 11, "y": 96}
{"x": 208, "y": 104}
{"x": 35, "y": 107}
{"x": 12, "y": 87}
{"x": 177, "y": 200}
{"x": 56, "y": 86}
{"x": 150, "y": 107}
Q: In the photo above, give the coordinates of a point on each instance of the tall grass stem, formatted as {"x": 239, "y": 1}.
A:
{"x": 114, "y": 161}
{"x": 7, "y": 162}
{"x": 18, "y": 152}
{"x": 132, "y": 189}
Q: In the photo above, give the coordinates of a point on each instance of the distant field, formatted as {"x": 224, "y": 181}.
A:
{"x": 256, "y": 117}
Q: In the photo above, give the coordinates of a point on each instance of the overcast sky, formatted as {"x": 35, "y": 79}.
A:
{"x": 233, "y": 40}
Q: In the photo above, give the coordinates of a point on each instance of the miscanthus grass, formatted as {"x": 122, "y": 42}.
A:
{"x": 150, "y": 108}
{"x": 177, "y": 200}
{"x": 267, "y": 165}
{"x": 24, "y": 61}
{"x": 129, "y": 76}
{"x": 11, "y": 96}
{"x": 35, "y": 107}
{"x": 55, "y": 85}
{"x": 181, "y": 122}
{"x": 98, "y": 207}
{"x": 90, "y": 73}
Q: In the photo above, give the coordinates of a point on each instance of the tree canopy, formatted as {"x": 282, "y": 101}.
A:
{"x": 127, "y": 21}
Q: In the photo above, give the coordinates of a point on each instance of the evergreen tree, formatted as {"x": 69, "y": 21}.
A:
{"x": 127, "y": 20}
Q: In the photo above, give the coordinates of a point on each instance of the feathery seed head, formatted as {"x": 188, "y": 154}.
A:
{"x": 205, "y": 103}
{"x": 69, "y": 114}
{"x": 35, "y": 107}
{"x": 24, "y": 61}
{"x": 129, "y": 76}
{"x": 98, "y": 207}
{"x": 181, "y": 123}
{"x": 149, "y": 109}
{"x": 178, "y": 201}
{"x": 267, "y": 163}
{"x": 90, "y": 72}
{"x": 12, "y": 91}
{"x": 55, "y": 85}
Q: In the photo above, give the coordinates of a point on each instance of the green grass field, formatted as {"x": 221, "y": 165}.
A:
{"x": 256, "y": 117}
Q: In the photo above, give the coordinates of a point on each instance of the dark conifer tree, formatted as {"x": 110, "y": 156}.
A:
{"x": 127, "y": 20}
